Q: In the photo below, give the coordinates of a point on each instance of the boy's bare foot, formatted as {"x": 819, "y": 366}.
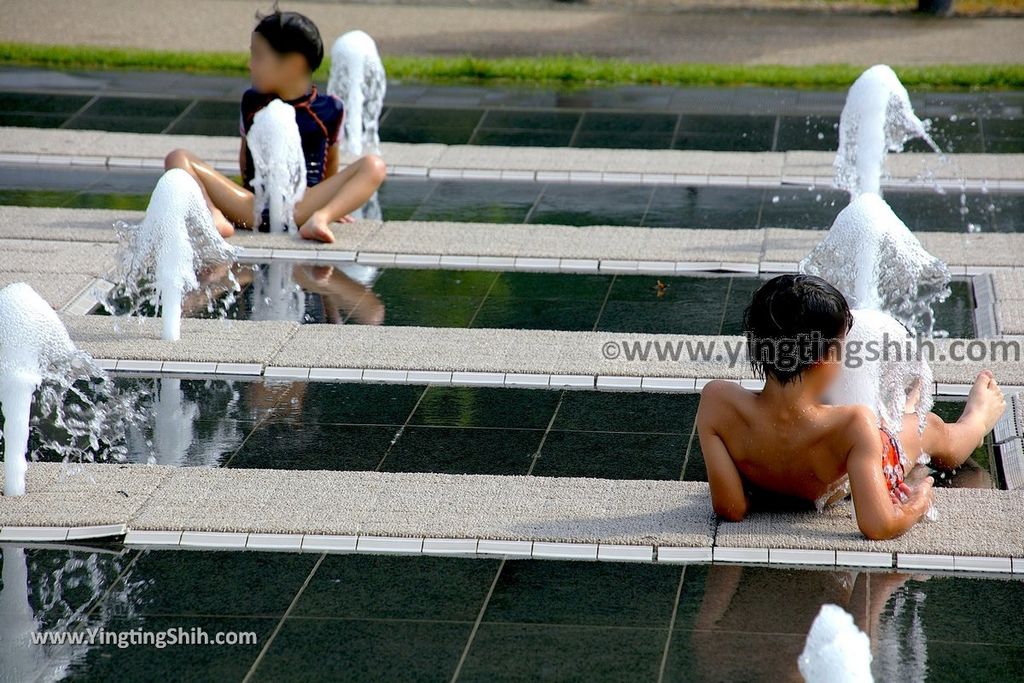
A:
{"x": 347, "y": 219}
{"x": 318, "y": 228}
{"x": 985, "y": 402}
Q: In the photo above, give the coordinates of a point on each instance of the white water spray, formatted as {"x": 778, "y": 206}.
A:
{"x": 871, "y": 256}
{"x": 279, "y": 179}
{"x": 836, "y": 650}
{"x": 358, "y": 80}
{"x": 877, "y": 119}
{"x": 884, "y": 381}
{"x": 33, "y": 341}
{"x": 160, "y": 256}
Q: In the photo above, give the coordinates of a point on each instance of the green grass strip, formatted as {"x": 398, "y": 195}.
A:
{"x": 564, "y": 71}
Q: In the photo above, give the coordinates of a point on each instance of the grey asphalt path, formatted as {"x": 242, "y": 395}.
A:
{"x": 734, "y": 36}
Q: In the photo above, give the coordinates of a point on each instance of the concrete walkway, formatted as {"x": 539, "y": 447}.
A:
{"x": 736, "y": 36}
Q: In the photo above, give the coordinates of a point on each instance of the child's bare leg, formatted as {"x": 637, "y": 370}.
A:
{"x": 337, "y": 196}
{"x": 949, "y": 445}
{"x": 229, "y": 204}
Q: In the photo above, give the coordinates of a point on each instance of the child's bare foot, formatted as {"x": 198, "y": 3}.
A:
{"x": 225, "y": 227}
{"x": 347, "y": 219}
{"x": 985, "y": 402}
{"x": 318, "y": 228}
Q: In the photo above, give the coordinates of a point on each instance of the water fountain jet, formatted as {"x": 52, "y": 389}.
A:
{"x": 358, "y": 79}
{"x": 279, "y": 173}
{"x": 176, "y": 238}
{"x": 877, "y": 118}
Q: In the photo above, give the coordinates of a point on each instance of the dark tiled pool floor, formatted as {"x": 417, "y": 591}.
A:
{"x": 562, "y": 203}
{"x": 459, "y": 123}
{"x": 416, "y": 428}
{"x": 367, "y": 617}
{"x": 316, "y": 293}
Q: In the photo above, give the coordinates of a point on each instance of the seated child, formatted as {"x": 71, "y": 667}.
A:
{"x": 285, "y": 49}
{"x": 784, "y": 443}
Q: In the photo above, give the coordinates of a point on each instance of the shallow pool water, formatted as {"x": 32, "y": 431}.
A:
{"x": 417, "y": 618}
{"x": 352, "y": 293}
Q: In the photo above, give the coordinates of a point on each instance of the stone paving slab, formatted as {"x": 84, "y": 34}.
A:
{"x": 56, "y": 258}
{"x": 573, "y": 509}
{"x": 977, "y": 529}
{"x": 201, "y": 340}
{"x": 73, "y": 495}
{"x": 971, "y": 522}
{"x": 779, "y": 245}
{"x": 493, "y": 350}
{"x": 56, "y": 291}
{"x": 60, "y": 146}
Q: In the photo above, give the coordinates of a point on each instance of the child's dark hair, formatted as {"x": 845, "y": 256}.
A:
{"x": 292, "y": 32}
{"x": 791, "y": 323}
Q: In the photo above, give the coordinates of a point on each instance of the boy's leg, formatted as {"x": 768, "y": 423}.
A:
{"x": 335, "y": 197}
{"x": 229, "y": 203}
{"x": 949, "y": 445}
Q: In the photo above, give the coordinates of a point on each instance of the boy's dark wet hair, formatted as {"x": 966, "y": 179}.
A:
{"x": 292, "y": 32}
{"x": 791, "y": 324}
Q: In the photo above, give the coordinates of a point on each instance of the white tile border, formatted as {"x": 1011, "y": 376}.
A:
{"x": 328, "y": 543}
{"x": 287, "y": 372}
{"x": 151, "y": 537}
{"x": 399, "y": 545}
{"x": 799, "y": 556}
{"x": 385, "y": 375}
{"x": 504, "y": 547}
{"x": 685, "y": 384}
{"x": 564, "y": 551}
{"x": 214, "y": 539}
{"x": 478, "y": 379}
{"x": 449, "y": 546}
{"x": 336, "y": 374}
{"x": 683, "y": 555}
{"x": 727, "y": 554}
{"x": 33, "y": 533}
{"x": 96, "y": 531}
{"x": 982, "y": 564}
{"x": 864, "y": 558}
{"x": 923, "y": 561}
{"x": 189, "y": 367}
{"x": 265, "y": 541}
{"x": 526, "y": 379}
{"x": 625, "y": 553}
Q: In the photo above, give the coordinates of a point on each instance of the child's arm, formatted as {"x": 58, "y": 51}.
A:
{"x": 878, "y": 517}
{"x": 332, "y": 161}
{"x": 728, "y": 498}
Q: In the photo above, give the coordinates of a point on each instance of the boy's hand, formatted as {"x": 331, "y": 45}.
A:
{"x": 919, "y": 497}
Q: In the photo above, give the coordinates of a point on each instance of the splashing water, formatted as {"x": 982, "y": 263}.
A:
{"x": 279, "y": 178}
{"x": 871, "y": 256}
{"x": 884, "y": 370}
{"x": 358, "y": 80}
{"x": 38, "y": 358}
{"x": 836, "y": 650}
{"x": 877, "y": 118}
{"x": 159, "y": 257}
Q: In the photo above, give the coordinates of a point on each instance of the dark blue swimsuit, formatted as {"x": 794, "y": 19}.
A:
{"x": 319, "y": 119}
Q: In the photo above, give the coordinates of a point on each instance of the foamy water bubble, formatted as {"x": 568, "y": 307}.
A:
{"x": 836, "y": 650}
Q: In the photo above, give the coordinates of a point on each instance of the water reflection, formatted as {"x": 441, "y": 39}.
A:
{"x": 291, "y": 291}
{"x": 55, "y": 589}
{"x": 743, "y": 605}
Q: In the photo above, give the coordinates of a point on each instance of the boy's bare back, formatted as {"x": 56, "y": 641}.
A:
{"x": 798, "y": 453}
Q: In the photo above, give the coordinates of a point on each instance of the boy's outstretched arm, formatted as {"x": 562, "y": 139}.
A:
{"x": 878, "y": 517}
{"x": 728, "y": 498}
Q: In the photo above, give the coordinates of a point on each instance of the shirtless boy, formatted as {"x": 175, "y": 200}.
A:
{"x": 783, "y": 442}
{"x": 285, "y": 49}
